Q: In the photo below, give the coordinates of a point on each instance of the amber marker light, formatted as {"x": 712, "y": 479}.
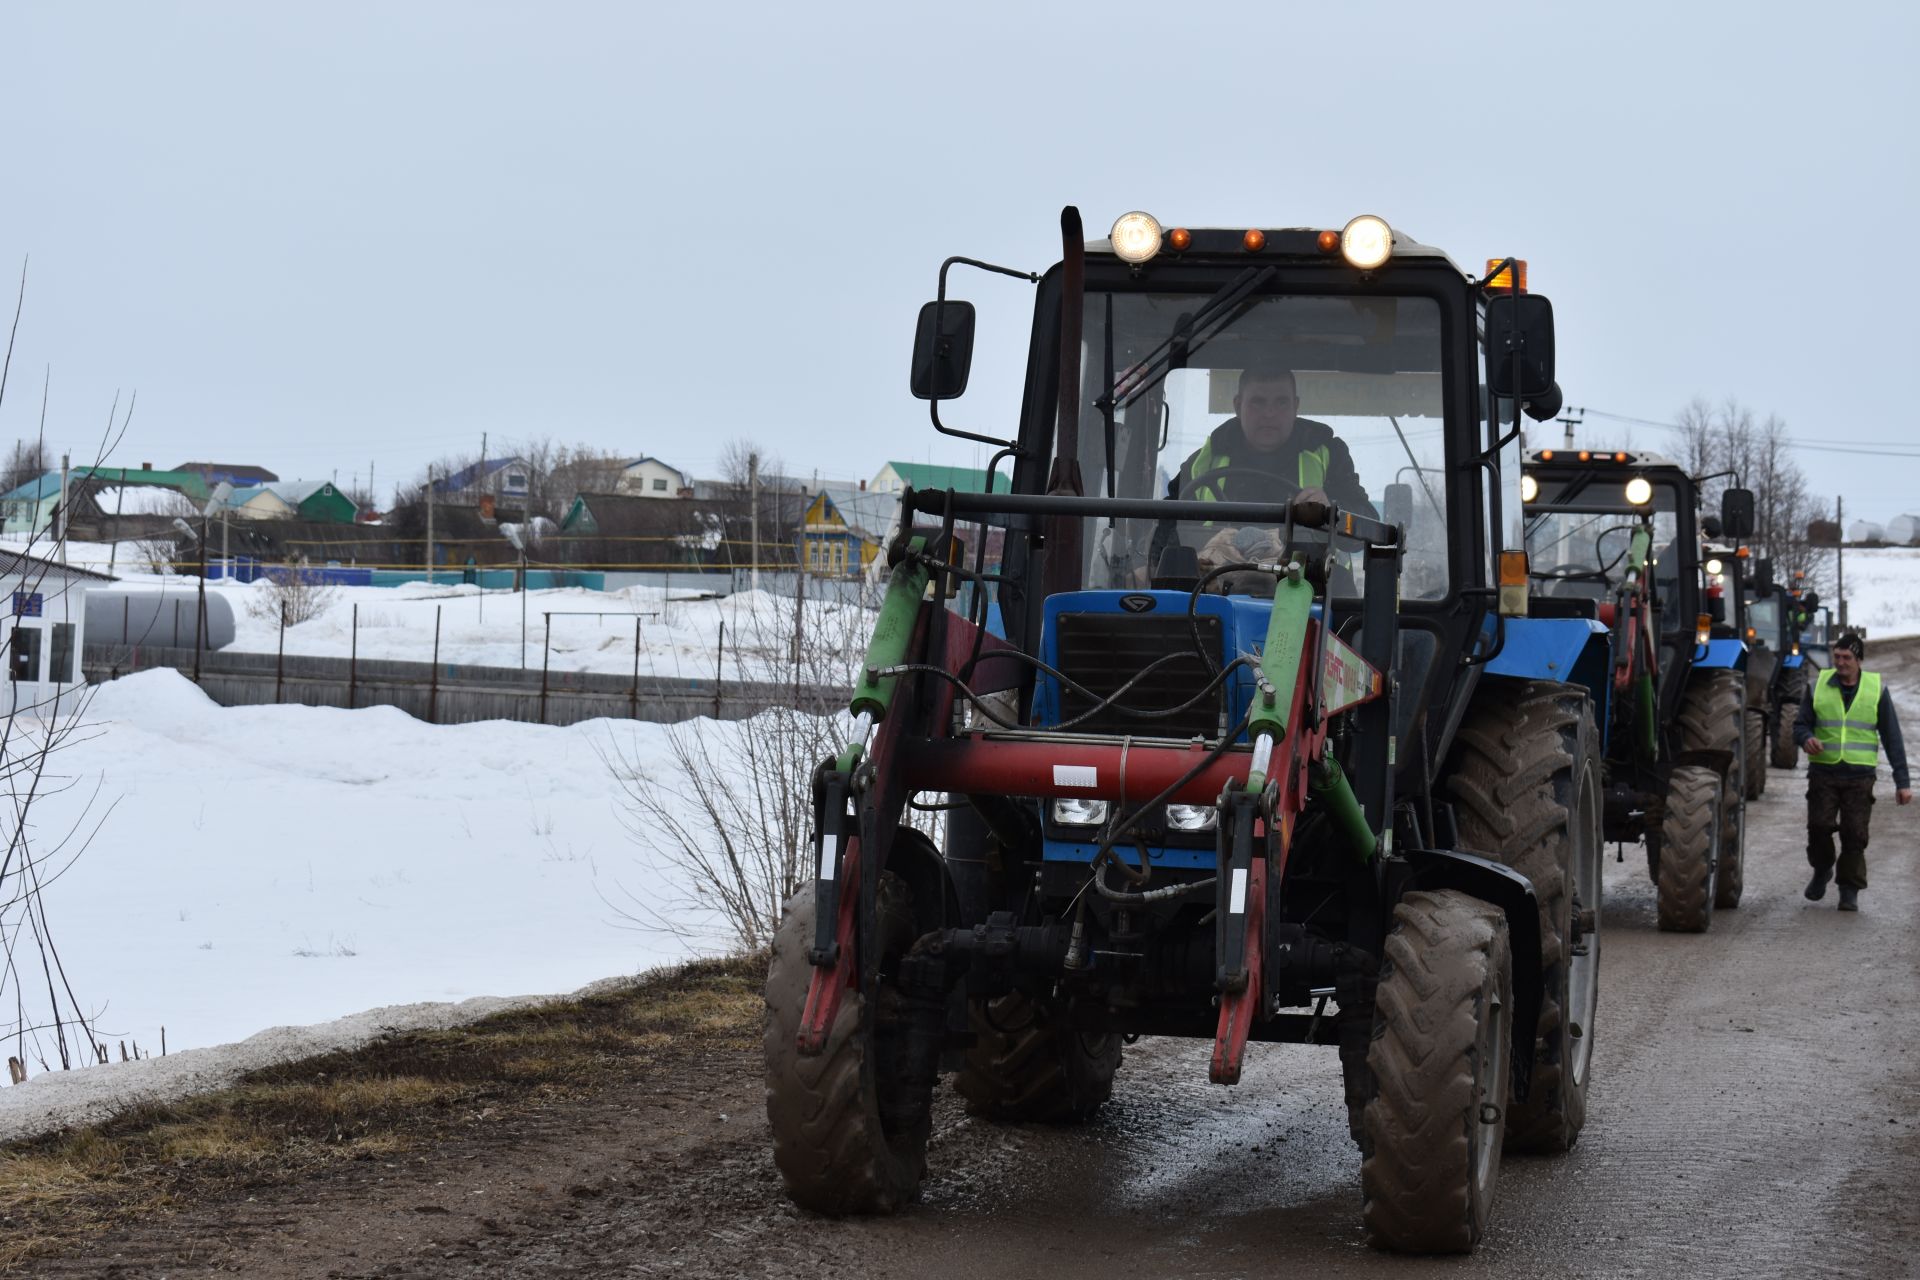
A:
{"x": 1180, "y": 238}
{"x": 1620, "y": 457}
{"x": 1702, "y": 628}
{"x": 1500, "y": 278}
{"x": 1329, "y": 241}
{"x": 1586, "y": 455}
{"x": 1255, "y": 240}
{"x": 1513, "y": 583}
{"x": 1546, "y": 455}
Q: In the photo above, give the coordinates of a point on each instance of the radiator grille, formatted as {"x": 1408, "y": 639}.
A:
{"x": 1104, "y": 650}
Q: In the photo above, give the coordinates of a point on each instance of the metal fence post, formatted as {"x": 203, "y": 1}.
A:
{"x": 546, "y": 661}
{"x": 353, "y": 662}
{"x": 433, "y": 685}
{"x": 280, "y": 661}
{"x": 719, "y": 667}
{"x": 633, "y": 696}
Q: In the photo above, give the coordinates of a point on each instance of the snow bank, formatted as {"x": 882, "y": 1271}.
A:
{"x": 1883, "y": 589}
{"x": 260, "y": 866}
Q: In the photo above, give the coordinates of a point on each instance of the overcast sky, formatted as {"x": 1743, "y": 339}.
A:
{"x": 316, "y": 237}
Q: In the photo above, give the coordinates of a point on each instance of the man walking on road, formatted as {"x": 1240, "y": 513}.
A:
{"x": 1845, "y": 719}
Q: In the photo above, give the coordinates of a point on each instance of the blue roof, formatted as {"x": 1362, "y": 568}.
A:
{"x": 47, "y": 486}
{"x": 467, "y": 477}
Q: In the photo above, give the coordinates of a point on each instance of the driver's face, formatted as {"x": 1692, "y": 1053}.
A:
{"x": 1846, "y": 667}
{"x": 1267, "y": 410}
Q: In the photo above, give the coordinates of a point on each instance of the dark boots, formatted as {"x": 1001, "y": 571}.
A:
{"x": 1817, "y": 887}
{"x": 1849, "y": 898}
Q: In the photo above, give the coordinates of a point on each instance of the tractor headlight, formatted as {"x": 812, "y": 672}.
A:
{"x": 1366, "y": 242}
{"x": 1715, "y": 568}
{"x": 1639, "y": 491}
{"x": 1192, "y": 817}
{"x": 1529, "y": 488}
{"x": 1074, "y": 812}
{"x": 1135, "y": 236}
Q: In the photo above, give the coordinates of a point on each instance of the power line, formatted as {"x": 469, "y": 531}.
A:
{"x": 1868, "y": 448}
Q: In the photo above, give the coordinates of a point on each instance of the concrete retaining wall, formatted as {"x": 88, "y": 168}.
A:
{"x": 452, "y": 694}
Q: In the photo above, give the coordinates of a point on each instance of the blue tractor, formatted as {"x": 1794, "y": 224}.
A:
{"x": 1265, "y": 748}
{"x": 1614, "y": 540}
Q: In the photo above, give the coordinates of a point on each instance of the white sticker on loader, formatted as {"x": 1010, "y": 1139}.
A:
{"x": 1076, "y": 775}
{"x": 1237, "y": 904}
{"x": 829, "y": 854}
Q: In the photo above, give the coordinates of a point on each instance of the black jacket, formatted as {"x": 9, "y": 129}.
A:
{"x": 1887, "y": 724}
{"x": 1227, "y": 440}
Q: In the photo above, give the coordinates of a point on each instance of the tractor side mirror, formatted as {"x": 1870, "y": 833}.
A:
{"x": 1520, "y": 347}
{"x": 1763, "y": 575}
{"x": 942, "y": 359}
{"x": 1809, "y": 602}
{"x": 1397, "y": 505}
{"x": 1736, "y": 513}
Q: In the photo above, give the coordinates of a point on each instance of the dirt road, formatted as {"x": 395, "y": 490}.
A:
{"x": 1755, "y": 1112}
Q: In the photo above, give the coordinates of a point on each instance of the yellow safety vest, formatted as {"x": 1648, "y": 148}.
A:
{"x": 1851, "y": 734}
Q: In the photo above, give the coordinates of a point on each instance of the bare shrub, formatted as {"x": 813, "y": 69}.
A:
{"x": 291, "y": 594}
{"x": 724, "y": 822}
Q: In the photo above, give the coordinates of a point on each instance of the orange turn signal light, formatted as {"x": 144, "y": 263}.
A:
{"x": 1702, "y": 628}
{"x": 1546, "y": 455}
{"x": 1620, "y": 457}
{"x": 1329, "y": 241}
{"x": 1255, "y": 240}
{"x": 1586, "y": 455}
{"x": 1513, "y": 568}
{"x": 1180, "y": 238}
{"x": 1743, "y": 553}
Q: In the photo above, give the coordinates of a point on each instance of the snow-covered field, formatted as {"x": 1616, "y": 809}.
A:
{"x": 263, "y": 866}
{"x": 1883, "y": 589}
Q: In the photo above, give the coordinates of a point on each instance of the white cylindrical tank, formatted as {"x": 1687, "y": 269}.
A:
{"x": 1904, "y": 530}
{"x": 1866, "y": 531}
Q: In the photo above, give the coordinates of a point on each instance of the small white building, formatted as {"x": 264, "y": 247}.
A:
{"x": 652, "y": 478}
{"x": 46, "y": 606}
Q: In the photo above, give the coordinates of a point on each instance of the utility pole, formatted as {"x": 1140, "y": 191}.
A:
{"x": 1840, "y": 556}
{"x": 753, "y": 508}
{"x": 1569, "y": 420}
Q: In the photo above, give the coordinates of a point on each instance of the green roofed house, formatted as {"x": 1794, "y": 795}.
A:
{"x": 310, "y": 500}
{"x": 896, "y": 476}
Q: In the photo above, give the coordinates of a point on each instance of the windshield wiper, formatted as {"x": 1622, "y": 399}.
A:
{"x": 1188, "y": 336}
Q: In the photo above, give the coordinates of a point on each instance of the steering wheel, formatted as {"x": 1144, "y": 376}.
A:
{"x": 1562, "y": 579}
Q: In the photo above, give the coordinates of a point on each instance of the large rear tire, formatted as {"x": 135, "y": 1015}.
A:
{"x": 1442, "y": 1033}
{"x": 833, "y": 1148}
{"x": 1689, "y": 833}
{"x": 1756, "y": 753}
{"x": 1793, "y": 687}
{"x": 1525, "y": 782}
{"x": 1027, "y": 1063}
{"x": 1712, "y": 717}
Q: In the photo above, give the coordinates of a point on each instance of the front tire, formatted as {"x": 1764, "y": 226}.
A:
{"x": 833, "y": 1148}
{"x": 1689, "y": 833}
{"x": 1525, "y": 781}
{"x": 1793, "y": 687}
{"x": 1712, "y": 718}
{"x": 1756, "y": 753}
{"x": 1442, "y": 1033}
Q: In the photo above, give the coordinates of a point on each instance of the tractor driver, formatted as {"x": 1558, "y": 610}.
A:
{"x": 1266, "y": 452}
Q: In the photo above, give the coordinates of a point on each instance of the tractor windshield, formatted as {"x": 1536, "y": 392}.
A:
{"x": 1251, "y": 403}
{"x": 1580, "y": 535}
{"x": 1763, "y": 615}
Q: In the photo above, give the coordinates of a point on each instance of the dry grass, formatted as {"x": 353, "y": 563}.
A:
{"x": 380, "y": 1101}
